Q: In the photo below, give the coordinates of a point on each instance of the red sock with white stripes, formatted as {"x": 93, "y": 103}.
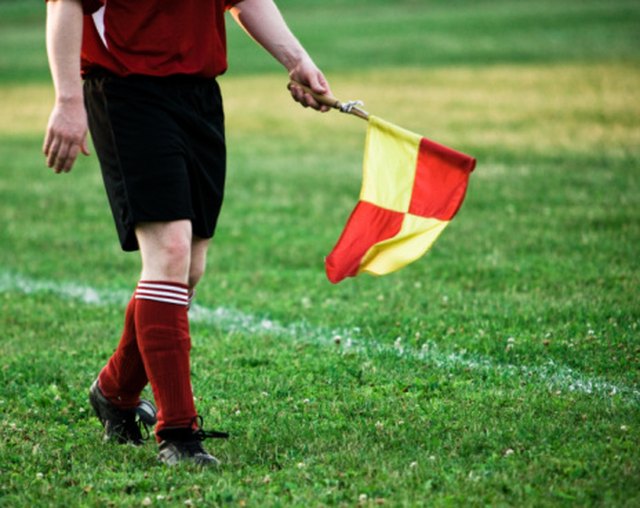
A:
{"x": 123, "y": 378}
{"x": 162, "y": 328}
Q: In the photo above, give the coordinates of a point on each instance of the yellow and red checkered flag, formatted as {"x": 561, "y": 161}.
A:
{"x": 411, "y": 189}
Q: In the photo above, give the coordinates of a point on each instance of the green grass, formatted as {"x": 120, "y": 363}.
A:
{"x": 467, "y": 378}
{"x": 345, "y": 35}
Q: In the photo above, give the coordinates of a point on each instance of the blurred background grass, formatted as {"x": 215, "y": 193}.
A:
{"x": 344, "y": 35}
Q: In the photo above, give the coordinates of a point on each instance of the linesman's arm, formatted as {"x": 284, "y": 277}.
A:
{"x": 262, "y": 20}
{"x": 66, "y": 134}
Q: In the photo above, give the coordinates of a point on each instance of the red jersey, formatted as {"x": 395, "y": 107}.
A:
{"x": 155, "y": 37}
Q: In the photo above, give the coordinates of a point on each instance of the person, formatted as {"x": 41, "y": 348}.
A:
{"x": 141, "y": 77}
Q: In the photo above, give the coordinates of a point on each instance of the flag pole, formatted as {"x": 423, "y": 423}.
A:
{"x": 350, "y": 107}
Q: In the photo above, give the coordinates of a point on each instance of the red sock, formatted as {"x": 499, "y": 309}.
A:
{"x": 123, "y": 378}
{"x": 162, "y": 328}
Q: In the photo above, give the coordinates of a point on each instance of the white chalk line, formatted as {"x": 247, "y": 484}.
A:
{"x": 552, "y": 376}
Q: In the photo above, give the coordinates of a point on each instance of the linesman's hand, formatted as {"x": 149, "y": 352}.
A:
{"x": 66, "y": 135}
{"x": 306, "y": 73}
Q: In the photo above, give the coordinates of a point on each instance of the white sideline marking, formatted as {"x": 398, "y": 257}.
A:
{"x": 551, "y": 375}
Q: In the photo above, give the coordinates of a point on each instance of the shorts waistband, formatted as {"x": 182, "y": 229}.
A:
{"x": 172, "y": 79}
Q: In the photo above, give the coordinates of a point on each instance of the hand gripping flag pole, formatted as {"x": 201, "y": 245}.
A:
{"x": 351, "y": 107}
{"x": 411, "y": 189}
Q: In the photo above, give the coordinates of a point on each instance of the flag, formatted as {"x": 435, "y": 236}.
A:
{"x": 411, "y": 189}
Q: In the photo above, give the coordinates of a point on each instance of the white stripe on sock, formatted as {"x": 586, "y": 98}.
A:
{"x": 160, "y": 299}
{"x": 168, "y": 294}
{"x": 168, "y": 287}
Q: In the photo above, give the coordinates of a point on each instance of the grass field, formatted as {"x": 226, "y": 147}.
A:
{"x": 502, "y": 369}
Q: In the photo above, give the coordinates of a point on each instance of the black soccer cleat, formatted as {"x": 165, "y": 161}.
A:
{"x": 185, "y": 445}
{"x": 123, "y": 426}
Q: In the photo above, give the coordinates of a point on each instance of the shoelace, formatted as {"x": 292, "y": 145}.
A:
{"x": 200, "y": 434}
{"x": 131, "y": 428}
{"x": 145, "y": 433}
{"x": 145, "y": 418}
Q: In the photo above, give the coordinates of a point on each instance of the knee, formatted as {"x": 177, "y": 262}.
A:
{"x": 196, "y": 272}
{"x": 198, "y": 261}
{"x": 170, "y": 260}
{"x": 176, "y": 250}
{"x": 165, "y": 250}
{"x": 175, "y": 253}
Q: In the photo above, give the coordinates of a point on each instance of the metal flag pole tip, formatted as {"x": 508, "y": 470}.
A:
{"x": 350, "y": 107}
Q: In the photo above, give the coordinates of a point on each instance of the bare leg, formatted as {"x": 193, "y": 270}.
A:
{"x": 199, "y": 247}
{"x": 165, "y": 248}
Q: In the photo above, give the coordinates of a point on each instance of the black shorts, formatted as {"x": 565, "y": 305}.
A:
{"x": 160, "y": 142}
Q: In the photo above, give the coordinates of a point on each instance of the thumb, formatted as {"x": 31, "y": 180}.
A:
{"x": 318, "y": 83}
{"x": 84, "y": 148}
